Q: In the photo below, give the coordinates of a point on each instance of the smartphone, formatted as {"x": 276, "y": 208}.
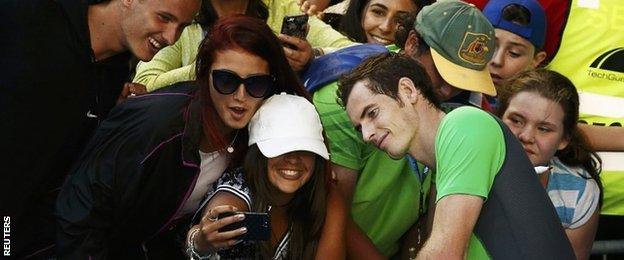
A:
{"x": 295, "y": 26}
{"x": 257, "y": 223}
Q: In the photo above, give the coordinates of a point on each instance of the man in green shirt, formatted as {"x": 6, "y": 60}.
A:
{"x": 388, "y": 196}
{"x": 382, "y": 191}
{"x": 489, "y": 203}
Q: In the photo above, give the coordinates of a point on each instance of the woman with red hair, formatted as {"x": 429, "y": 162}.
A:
{"x": 151, "y": 162}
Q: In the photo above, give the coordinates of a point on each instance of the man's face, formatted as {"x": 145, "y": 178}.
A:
{"x": 382, "y": 120}
{"x": 150, "y": 25}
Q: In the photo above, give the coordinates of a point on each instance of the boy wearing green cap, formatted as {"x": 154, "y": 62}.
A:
{"x": 454, "y": 55}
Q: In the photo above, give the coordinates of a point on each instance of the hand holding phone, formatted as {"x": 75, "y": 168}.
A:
{"x": 208, "y": 238}
{"x": 297, "y": 49}
{"x": 257, "y": 224}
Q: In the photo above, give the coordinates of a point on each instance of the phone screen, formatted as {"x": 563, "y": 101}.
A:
{"x": 257, "y": 223}
{"x": 295, "y": 26}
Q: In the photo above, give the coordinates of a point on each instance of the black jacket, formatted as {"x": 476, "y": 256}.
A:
{"x": 134, "y": 175}
{"x": 50, "y": 90}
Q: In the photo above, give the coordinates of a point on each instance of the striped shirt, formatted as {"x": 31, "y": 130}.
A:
{"x": 573, "y": 193}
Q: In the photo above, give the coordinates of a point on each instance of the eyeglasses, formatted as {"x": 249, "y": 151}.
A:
{"x": 226, "y": 82}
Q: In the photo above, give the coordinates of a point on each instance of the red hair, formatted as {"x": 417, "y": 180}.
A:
{"x": 251, "y": 35}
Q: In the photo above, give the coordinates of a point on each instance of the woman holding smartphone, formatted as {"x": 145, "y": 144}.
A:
{"x": 148, "y": 166}
{"x": 541, "y": 109}
{"x": 284, "y": 174}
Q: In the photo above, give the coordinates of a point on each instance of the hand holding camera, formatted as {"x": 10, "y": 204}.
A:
{"x": 293, "y": 36}
{"x": 208, "y": 238}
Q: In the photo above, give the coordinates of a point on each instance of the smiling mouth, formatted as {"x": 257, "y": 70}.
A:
{"x": 155, "y": 44}
{"x": 290, "y": 174}
{"x": 381, "y": 40}
{"x": 381, "y": 140}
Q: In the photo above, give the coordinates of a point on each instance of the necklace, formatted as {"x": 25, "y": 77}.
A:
{"x": 230, "y": 148}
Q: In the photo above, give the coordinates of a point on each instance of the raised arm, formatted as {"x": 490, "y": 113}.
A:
{"x": 333, "y": 242}
{"x": 582, "y": 238}
{"x": 604, "y": 138}
{"x": 346, "y": 180}
{"x": 359, "y": 246}
{"x": 205, "y": 236}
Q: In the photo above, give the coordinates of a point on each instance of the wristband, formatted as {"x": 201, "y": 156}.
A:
{"x": 192, "y": 252}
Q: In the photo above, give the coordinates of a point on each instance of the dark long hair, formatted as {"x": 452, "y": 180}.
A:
{"x": 556, "y": 87}
{"x": 351, "y": 23}
{"x": 208, "y": 16}
{"x": 306, "y": 211}
{"x": 253, "y": 36}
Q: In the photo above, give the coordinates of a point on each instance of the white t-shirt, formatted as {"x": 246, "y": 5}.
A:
{"x": 211, "y": 167}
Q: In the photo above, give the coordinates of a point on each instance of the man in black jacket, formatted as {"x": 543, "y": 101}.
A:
{"x": 63, "y": 66}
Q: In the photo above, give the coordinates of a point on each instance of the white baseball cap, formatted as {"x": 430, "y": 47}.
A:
{"x": 287, "y": 123}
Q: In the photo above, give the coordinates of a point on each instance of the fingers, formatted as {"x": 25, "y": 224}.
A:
{"x": 312, "y": 10}
{"x": 130, "y": 90}
{"x": 134, "y": 89}
{"x": 297, "y": 58}
{"x": 297, "y": 42}
{"x": 309, "y": 9}
{"x": 320, "y": 15}
{"x": 304, "y": 6}
{"x": 209, "y": 235}
{"x": 213, "y": 213}
{"x": 294, "y": 56}
{"x": 222, "y": 222}
{"x": 230, "y": 235}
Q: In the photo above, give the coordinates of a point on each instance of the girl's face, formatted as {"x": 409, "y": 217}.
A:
{"x": 289, "y": 172}
{"x": 513, "y": 55}
{"x": 379, "y": 19}
{"x": 237, "y": 108}
{"x": 538, "y": 124}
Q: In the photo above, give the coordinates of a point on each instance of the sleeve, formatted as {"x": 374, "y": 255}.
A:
{"x": 586, "y": 204}
{"x": 346, "y": 147}
{"x": 85, "y": 206}
{"x": 469, "y": 150}
{"x": 169, "y": 65}
{"x": 324, "y": 36}
{"x": 234, "y": 182}
{"x": 320, "y": 35}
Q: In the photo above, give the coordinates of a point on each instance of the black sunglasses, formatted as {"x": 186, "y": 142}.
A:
{"x": 226, "y": 82}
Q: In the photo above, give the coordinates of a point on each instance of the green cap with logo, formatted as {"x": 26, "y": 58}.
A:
{"x": 462, "y": 43}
